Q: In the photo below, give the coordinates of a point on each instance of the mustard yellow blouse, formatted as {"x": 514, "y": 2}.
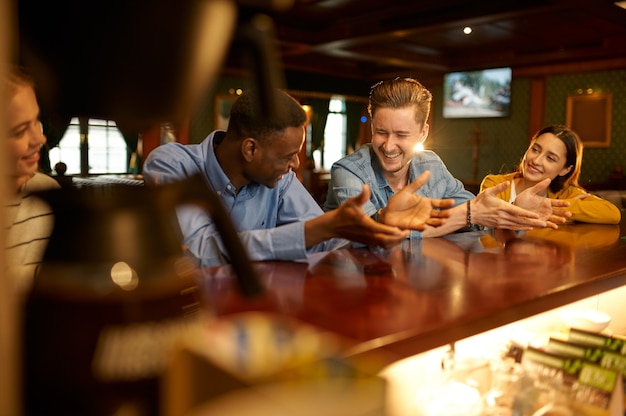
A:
{"x": 591, "y": 209}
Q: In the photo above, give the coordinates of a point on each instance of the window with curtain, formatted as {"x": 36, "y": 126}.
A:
{"x": 107, "y": 151}
{"x": 334, "y": 146}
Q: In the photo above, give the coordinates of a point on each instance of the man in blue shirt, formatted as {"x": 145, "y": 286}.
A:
{"x": 390, "y": 165}
{"x": 250, "y": 167}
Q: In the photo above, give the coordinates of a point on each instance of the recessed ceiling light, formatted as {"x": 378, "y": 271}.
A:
{"x": 467, "y": 30}
{"x": 621, "y": 4}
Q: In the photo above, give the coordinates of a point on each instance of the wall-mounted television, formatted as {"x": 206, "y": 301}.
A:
{"x": 477, "y": 94}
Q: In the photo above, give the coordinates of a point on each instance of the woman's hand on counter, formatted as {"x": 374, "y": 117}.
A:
{"x": 553, "y": 211}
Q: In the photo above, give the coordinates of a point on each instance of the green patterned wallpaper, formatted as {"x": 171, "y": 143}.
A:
{"x": 507, "y": 139}
{"x": 503, "y": 140}
{"x": 597, "y": 162}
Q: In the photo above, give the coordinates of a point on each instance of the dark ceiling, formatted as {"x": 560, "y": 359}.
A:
{"x": 127, "y": 60}
{"x": 376, "y": 39}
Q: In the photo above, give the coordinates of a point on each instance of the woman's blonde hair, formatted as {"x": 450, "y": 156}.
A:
{"x": 14, "y": 77}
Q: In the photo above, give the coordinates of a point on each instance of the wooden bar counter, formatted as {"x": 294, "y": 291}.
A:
{"x": 428, "y": 293}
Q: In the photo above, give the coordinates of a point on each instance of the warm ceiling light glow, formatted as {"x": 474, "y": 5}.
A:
{"x": 467, "y": 30}
{"x": 309, "y": 111}
{"x": 124, "y": 276}
{"x": 621, "y": 4}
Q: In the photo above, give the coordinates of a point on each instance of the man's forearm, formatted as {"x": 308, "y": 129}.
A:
{"x": 318, "y": 230}
{"x": 456, "y": 221}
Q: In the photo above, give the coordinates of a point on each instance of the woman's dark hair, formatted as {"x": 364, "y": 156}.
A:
{"x": 573, "y": 155}
{"x": 247, "y": 117}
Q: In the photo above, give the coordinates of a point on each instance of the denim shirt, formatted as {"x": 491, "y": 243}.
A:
{"x": 349, "y": 174}
{"x": 269, "y": 221}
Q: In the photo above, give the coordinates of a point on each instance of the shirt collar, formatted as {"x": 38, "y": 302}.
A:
{"x": 378, "y": 170}
{"x": 215, "y": 174}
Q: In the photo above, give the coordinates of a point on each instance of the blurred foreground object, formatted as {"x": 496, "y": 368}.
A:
{"x": 264, "y": 364}
{"x": 586, "y": 319}
{"x": 114, "y": 294}
{"x": 137, "y": 63}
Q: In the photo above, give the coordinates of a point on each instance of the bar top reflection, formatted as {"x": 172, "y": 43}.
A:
{"x": 430, "y": 292}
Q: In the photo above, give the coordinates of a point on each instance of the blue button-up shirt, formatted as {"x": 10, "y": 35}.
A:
{"x": 362, "y": 167}
{"x": 270, "y": 221}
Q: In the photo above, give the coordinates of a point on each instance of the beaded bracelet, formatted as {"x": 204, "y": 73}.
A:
{"x": 469, "y": 214}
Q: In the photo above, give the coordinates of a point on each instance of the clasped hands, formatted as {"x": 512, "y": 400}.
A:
{"x": 407, "y": 210}
{"x": 550, "y": 210}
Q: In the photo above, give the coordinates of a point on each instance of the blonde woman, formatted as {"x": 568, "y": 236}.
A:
{"x": 28, "y": 221}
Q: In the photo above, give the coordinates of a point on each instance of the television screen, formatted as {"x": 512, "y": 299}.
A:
{"x": 477, "y": 94}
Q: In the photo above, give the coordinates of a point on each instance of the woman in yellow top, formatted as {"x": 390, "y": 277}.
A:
{"x": 556, "y": 152}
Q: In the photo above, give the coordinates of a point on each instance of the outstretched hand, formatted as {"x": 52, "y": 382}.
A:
{"x": 349, "y": 221}
{"x": 407, "y": 210}
{"x": 491, "y": 211}
{"x": 550, "y": 210}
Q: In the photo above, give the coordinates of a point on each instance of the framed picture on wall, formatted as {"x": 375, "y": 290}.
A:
{"x": 589, "y": 115}
{"x": 223, "y": 103}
